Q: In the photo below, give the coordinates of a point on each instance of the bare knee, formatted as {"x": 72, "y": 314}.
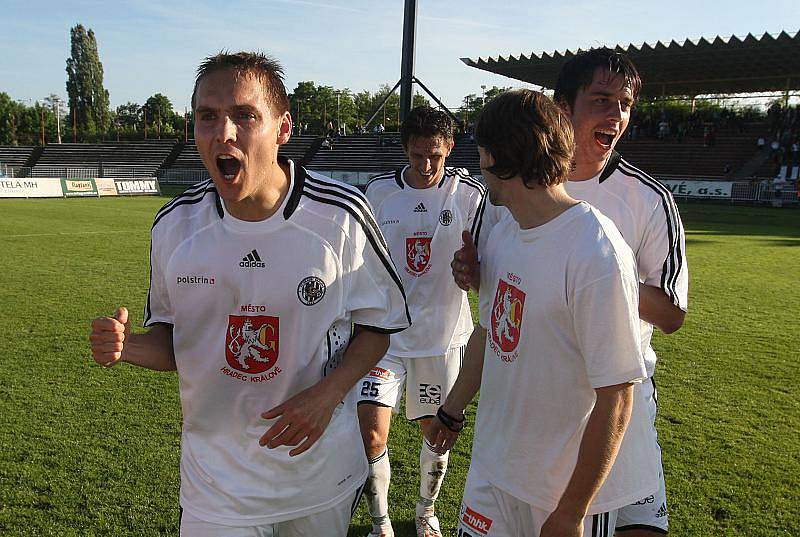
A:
{"x": 374, "y": 423}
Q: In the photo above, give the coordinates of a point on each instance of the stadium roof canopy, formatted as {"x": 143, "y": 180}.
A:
{"x": 733, "y": 65}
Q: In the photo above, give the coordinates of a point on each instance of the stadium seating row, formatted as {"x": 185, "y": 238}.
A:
{"x": 732, "y": 151}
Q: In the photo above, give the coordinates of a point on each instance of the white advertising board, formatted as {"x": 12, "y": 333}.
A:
{"x": 698, "y": 189}
{"x": 32, "y": 187}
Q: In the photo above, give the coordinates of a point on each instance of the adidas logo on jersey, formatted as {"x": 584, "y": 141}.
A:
{"x": 662, "y": 511}
{"x": 420, "y": 208}
{"x": 252, "y": 260}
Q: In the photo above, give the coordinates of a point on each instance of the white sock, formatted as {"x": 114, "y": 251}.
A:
{"x": 432, "y": 467}
{"x": 376, "y": 490}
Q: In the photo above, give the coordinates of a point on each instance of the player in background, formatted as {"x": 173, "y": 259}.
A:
{"x": 422, "y": 210}
{"x": 557, "y": 351}
{"x": 597, "y": 90}
{"x": 260, "y": 332}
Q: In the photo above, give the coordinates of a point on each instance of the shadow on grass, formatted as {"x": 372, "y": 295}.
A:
{"x": 783, "y": 242}
{"x": 709, "y": 218}
{"x": 700, "y": 241}
{"x": 402, "y": 528}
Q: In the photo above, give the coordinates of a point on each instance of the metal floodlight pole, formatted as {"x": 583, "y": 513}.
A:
{"x": 42, "y": 114}
{"x": 58, "y": 119}
{"x": 436, "y": 99}
{"x": 407, "y": 62}
{"x": 381, "y": 106}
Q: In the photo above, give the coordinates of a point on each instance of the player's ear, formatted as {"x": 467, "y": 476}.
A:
{"x": 565, "y": 107}
{"x": 284, "y": 128}
{"x": 450, "y": 145}
{"x": 487, "y": 159}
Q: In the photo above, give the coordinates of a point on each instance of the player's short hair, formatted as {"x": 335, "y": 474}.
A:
{"x": 426, "y": 122}
{"x": 267, "y": 70}
{"x": 527, "y": 135}
{"x": 579, "y": 71}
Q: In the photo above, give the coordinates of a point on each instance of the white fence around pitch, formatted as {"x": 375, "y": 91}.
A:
{"x": 682, "y": 188}
{"x": 698, "y": 188}
{"x": 764, "y": 191}
{"x": 64, "y": 172}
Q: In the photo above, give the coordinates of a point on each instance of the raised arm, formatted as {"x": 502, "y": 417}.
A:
{"x": 112, "y": 342}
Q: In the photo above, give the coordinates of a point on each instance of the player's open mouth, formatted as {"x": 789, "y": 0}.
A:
{"x": 605, "y": 138}
{"x": 229, "y": 166}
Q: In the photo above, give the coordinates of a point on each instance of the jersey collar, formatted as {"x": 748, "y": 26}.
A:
{"x": 610, "y": 166}
{"x": 298, "y": 180}
{"x": 398, "y": 176}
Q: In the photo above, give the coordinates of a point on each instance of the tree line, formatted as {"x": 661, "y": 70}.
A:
{"x": 86, "y": 115}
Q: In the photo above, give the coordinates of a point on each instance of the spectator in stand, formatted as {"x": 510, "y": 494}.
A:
{"x": 775, "y": 150}
{"x": 379, "y": 130}
{"x": 709, "y": 135}
{"x": 761, "y": 143}
{"x": 663, "y": 129}
{"x": 795, "y": 151}
{"x": 682, "y": 129}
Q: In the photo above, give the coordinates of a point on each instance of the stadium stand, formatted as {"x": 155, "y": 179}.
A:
{"x": 139, "y": 159}
{"x": 360, "y": 153}
{"x": 732, "y": 149}
{"x": 733, "y": 155}
{"x": 297, "y": 149}
{"x": 15, "y": 156}
{"x": 465, "y": 154}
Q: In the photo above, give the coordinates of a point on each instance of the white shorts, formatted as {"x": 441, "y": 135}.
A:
{"x": 648, "y": 513}
{"x": 487, "y": 511}
{"x": 428, "y": 380}
{"x": 333, "y": 522}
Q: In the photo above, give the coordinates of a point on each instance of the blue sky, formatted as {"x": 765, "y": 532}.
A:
{"x": 148, "y": 47}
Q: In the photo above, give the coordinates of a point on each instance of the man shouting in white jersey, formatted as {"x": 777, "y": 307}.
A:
{"x": 271, "y": 293}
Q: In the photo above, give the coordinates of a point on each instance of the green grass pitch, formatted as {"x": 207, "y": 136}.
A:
{"x": 85, "y": 451}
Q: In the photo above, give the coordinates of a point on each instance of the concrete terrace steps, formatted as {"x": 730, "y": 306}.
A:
{"x": 364, "y": 153}
{"x": 15, "y": 156}
{"x": 145, "y": 157}
{"x": 296, "y": 149}
{"x": 691, "y": 157}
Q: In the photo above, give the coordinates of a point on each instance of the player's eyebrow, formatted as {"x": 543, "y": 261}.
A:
{"x": 601, "y": 93}
{"x": 204, "y": 109}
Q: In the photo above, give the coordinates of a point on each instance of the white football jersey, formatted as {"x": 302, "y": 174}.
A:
{"x": 645, "y": 213}
{"x": 261, "y": 311}
{"x": 559, "y": 304}
{"x": 423, "y": 229}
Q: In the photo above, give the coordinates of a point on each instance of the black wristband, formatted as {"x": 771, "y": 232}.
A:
{"x": 454, "y": 424}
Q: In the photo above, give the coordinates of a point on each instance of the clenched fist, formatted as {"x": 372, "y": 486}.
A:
{"x": 108, "y": 337}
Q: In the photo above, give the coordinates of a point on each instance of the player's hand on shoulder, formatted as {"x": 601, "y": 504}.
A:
{"x": 465, "y": 266}
{"x": 108, "y": 337}
{"x": 301, "y": 420}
